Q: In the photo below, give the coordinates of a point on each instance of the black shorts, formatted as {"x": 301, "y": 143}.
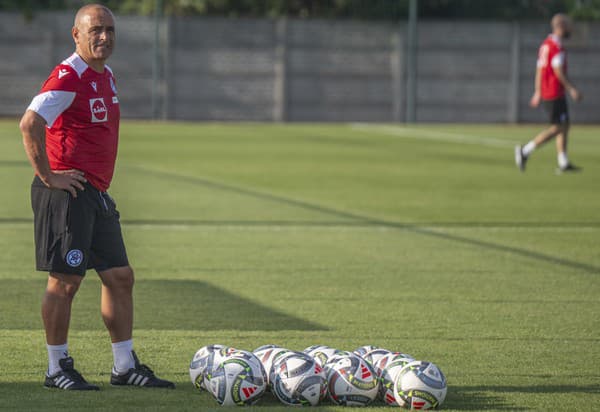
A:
{"x": 558, "y": 110}
{"x": 76, "y": 234}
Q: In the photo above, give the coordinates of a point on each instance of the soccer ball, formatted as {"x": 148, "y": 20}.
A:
{"x": 204, "y": 360}
{"x": 383, "y": 361}
{"x": 298, "y": 380}
{"x": 420, "y": 385}
{"x": 363, "y": 350}
{"x": 388, "y": 369}
{"x": 321, "y": 353}
{"x": 281, "y": 358}
{"x": 266, "y": 354}
{"x": 240, "y": 379}
{"x": 374, "y": 355}
{"x": 351, "y": 381}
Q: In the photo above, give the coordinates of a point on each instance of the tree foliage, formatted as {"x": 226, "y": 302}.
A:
{"x": 349, "y": 9}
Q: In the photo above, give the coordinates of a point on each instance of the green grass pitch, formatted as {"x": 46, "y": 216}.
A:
{"x": 423, "y": 239}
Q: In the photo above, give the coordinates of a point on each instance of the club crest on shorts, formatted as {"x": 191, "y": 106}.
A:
{"x": 74, "y": 258}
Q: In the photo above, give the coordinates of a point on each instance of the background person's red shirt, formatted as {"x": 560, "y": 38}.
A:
{"x": 551, "y": 55}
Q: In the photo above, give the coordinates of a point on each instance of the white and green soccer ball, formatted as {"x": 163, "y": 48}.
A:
{"x": 374, "y": 355}
{"x": 204, "y": 360}
{"x": 239, "y": 379}
{"x": 267, "y": 354}
{"x": 351, "y": 381}
{"x": 280, "y": 357}
{"x": 383, "y": 361}
{"x": 388, "y": 369}
{"x": 363, "y": 350}
{"x": 322, "y": 353}
{"x": 298, "y": 380}
{"x": 420, "y": 385}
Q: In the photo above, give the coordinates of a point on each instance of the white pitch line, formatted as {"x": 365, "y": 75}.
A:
{"x": 352, "y": 228}
{"x": 374, "y": 227}
{"x": 415, "y": 133}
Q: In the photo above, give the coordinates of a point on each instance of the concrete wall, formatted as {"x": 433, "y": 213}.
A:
{"x": 305, "y": 70}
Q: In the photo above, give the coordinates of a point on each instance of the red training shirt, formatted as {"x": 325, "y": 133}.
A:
{"x": 552, "y": 55}
{"x": 82, "y": 115}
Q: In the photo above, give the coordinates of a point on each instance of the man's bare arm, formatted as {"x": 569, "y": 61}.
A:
{"x": 569, "y": 87}
{"x": 537, "y": 94}
{"x": 33, "y": 129}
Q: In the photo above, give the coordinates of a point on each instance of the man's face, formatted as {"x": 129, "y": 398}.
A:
{"x": 94, "y": 35}
{"x": 563, "y": 26}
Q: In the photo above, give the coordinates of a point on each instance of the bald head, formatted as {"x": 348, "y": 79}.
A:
{"x": 94, "y": 34}
{"x": 84, "y": 13}
{"x": 561, "y": 25}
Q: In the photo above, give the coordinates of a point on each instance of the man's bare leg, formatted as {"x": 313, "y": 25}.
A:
{"x": 117, "y": 313}
{"x": 522, "y": 153}
{"x": 56, "y": 315}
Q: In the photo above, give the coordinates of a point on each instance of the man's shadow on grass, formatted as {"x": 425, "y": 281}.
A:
{"x": 190, "y": 304}
{"x": 159, "y": 304}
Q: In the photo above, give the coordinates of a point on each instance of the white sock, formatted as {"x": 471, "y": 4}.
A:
{"x": 563, "y": 160}
{"x": 528, "y": 148}
{"x": 123, "y": 359}
{"x": 55, "y": 354}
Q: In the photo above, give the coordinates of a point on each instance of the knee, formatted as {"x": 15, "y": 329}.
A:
{"x": 65, "y": 286}
{"x": 121, "y": 278}
{"x": 560, "y": 128}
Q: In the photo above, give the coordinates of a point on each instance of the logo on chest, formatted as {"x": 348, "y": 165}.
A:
{"x": 98, "y": 110}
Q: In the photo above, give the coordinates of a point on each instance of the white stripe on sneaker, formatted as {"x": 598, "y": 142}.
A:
{"x": 131, "y": 378}
{"x": 138, "y": 380}
{"x": 68, "y": 385}
{"x": 144, "y": 381}
{"x": 58, "y": 380}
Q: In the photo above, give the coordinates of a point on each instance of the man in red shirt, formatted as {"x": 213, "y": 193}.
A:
{"x": 551, "y": 82}
{"x": 70, "y": 133}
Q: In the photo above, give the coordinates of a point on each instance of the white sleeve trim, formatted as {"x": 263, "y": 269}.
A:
{"x": 558, "y": 60}
{"x": 51, "y": 104}
{"x": 540, "y": 64}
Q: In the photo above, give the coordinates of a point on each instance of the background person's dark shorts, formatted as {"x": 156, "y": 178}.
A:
{"x": 75, "y": 234}
{"x": 558, "y": 110}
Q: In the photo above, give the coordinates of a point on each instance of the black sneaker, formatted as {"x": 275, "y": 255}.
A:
{"x": 68, "y": 378}
{"x": 570, "y": 168}
{"x": 520, "y": 158}
{"x": 139, "y": 375}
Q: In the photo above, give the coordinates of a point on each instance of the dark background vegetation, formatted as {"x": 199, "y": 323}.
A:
{"x": 344, "y": 9}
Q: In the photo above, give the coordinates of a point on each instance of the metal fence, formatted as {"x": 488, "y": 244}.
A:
{"x": 306, "y": 70}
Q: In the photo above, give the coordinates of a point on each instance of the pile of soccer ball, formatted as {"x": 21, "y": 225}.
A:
{"x": 239, "y": 377}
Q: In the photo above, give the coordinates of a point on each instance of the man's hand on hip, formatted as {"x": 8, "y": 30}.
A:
{"x": 70, "y": 180}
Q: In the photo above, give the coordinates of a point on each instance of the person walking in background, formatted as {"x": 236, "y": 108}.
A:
{"x": 551, "y": 83}
{"x": 70, "y": 133}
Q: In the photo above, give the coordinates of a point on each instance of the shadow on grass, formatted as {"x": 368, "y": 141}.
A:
{"x": 469, "y": 398}
{"x": 32, "y": 396}
{"x": 28, "y": 396}
{"x": 589, "y": 389}
{"x": 365, "y": 219}
{"x": 159, "y": 304}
